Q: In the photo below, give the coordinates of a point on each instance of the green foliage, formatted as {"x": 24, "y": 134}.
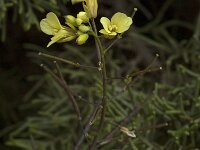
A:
{"x": 25, "y": 11}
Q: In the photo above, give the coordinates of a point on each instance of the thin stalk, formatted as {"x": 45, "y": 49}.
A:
{"x": 55, "y": 58}
{"x": 113, "y": 43}
{"x": 104, "y": 78}
{"x": 96, "y": 43}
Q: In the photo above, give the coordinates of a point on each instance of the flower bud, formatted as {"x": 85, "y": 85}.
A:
{"x": 82, "y": 39}
{"x": 70, "y": 19}
{"x": 83, "y": 16}
{"x": 84, "y": 28}
{"x": 79, "y": 21}
{"x": 90, "y": 7}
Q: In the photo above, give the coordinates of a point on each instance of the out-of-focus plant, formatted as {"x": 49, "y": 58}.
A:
{"x": 25, "y": 11}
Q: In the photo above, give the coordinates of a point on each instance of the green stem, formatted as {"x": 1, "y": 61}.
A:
{"x": 96, "y": 43}
{"x": 104, "y": 78}
{"x": 115, "y": 41}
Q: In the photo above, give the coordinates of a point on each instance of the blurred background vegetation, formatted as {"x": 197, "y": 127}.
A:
{"x": 35, "y": 111}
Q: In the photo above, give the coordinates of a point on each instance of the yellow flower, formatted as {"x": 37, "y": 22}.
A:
{"x": 90, "y": 7}
{"x": 51, "y": 26}
{"x": 119, "y": 23}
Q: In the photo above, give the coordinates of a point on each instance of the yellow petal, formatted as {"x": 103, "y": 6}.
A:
{"x": 67, "y": 39}
{"x": 57, "y": 37}
{"x": 50, "y": 43}
{"x": 53, "y": 21}
{"x": 46, "y": 28}
{"x": 103, "y": 31}
{"x": 105, "y": 22}
{"x": 122, "y": 21}
{"x": 108, "y": 35}
{"x": 71, "y": 26}
{"x": 113, "y": 33}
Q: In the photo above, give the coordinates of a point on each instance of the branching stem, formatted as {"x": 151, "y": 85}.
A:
{"x": 102, "y": 66}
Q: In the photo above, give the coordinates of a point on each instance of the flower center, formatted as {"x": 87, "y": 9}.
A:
{"x": 112, "y": 28}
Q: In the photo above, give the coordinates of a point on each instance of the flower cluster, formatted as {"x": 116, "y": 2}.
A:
{"x": 79, "y": 27}
{"x": 75, "y": 29}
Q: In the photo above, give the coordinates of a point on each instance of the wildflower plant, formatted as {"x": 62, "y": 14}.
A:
{"x": 80, "y": 28}
{"x": 116, "y": 113}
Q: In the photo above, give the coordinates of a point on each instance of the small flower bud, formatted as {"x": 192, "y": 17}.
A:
{"x": 70, "y": 19}
{"x": 82, "y": 39}
{"x": 83, "y": 15}
{"x": 79, "y": 21}
{"x": 84, "y": 28}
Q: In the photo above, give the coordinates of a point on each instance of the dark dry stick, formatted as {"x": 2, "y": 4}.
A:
{"x": 63, "y": 80}
{"x": 139, "y": 73}
{"x": 73, "y": 93}
{"x": 60, "y": 75}
{"x": 143, "y": 72}
{"x": 131, "y": 84}
{"x": 87, "y": 127}
{"x": 66, "y": 89}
